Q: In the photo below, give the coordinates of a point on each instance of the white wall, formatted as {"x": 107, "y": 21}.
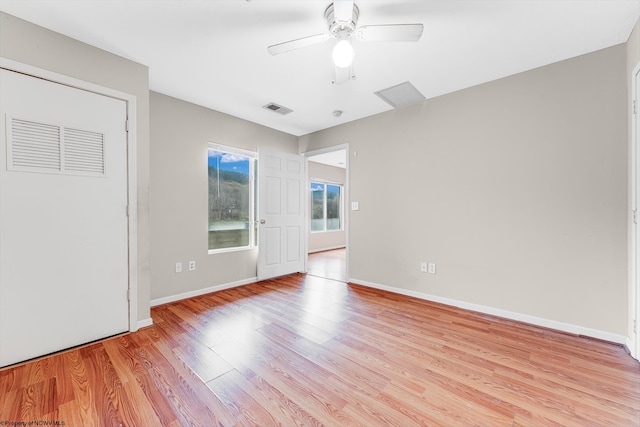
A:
{"x": 180, "y": 133}
{"x": 30, "y": 44}
{"x": 330, "y": 239}
{"x": 516, "y": 189}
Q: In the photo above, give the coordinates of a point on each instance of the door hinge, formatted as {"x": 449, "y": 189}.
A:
{"x": 635, "y": 107}
{"x": 128, "y": 295}
{"x": 126, "y": 125}
{"x": 635, "y": 216}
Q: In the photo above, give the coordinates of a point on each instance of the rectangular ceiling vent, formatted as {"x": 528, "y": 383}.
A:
{"x": 278, "y": 108}
{"x": 400, "y": 95}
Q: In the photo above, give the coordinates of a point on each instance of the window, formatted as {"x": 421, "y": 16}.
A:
{"x": 326, "y": 207}
{"x": 231, "y": 198}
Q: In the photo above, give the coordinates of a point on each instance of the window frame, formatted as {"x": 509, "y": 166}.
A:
{"x": 253, "y": 160}
{"x": 326, "y": 183}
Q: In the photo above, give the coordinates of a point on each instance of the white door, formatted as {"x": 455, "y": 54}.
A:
{"x": 63, "y": 222}
{"x": 281, "y": 183}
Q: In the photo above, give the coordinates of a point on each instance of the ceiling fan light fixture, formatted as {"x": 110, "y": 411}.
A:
{"x": 343, "y": 54}
{"x": 341, "y": 17}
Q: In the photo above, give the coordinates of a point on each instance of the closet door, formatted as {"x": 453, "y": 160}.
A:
{"x": 63, "y": 217}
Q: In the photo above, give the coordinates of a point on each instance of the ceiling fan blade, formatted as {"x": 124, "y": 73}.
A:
{"x": 279, "y": 48}
{"x": 343, "y": 10}
{"x": 390, "y": 33}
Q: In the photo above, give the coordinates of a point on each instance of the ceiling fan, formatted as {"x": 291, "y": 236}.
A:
{"x": 342, "y": 20}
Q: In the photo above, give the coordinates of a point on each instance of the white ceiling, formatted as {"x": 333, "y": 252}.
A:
{"x": 214, "y": 52}
{"x": 337, "y": 158}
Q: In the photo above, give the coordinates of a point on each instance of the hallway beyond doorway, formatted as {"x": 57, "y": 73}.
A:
{"x": 328, "y": 264}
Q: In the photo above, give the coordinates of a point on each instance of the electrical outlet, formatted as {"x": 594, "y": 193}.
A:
{"x": 432, "y": 268}
{"x": 423, "y": 267}
{"x": 178, "y": 267}
{"x": 192, "y": 265}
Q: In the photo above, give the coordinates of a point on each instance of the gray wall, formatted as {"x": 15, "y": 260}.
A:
{"x": 516, "y": 189}
{"x": 331, "y": 239}
{"x": 30, "y": 44}
{"x": 180, "y": 132}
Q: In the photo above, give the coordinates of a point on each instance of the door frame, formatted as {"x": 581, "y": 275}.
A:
{"x": 132, "y": 189}
{"x": 346, "y": 206}
{"x": 633, "y": 340}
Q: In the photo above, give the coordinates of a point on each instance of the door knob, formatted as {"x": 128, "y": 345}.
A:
{"x": 262, "y": 221}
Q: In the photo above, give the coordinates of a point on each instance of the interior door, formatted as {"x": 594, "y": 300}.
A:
{"x": 63, "y": 218}
{"x": 281, "y": 184}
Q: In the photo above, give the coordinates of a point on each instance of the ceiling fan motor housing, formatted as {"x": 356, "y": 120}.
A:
{"x": 341, "y": 28}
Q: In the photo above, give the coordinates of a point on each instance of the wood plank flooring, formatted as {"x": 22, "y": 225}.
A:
{"x": 306, "y": 351}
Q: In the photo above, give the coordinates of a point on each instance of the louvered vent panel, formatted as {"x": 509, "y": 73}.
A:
{"x": 83, "y": 151}
{"x": 34, "y": 145}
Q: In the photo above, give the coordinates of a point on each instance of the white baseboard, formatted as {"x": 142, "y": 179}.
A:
{"x": 631, "y": 349}
{"x": 538, "y": 321}
{"x": 144, "y": 323}
{"x": 173, "y": 298}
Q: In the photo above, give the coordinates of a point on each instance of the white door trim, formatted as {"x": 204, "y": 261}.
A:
{"x": 130, "y": 101}
{"x": 633, "y": 342}
{"x": 347, "y": 204}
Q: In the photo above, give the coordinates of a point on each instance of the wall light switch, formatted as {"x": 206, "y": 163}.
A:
{"x": 423, "y": 267}
{"x": 355, "y": 206}
{"x": 178, "y": 267}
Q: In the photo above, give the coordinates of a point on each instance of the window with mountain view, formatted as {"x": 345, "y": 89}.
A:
{"x": 231, "y": 198}
{"x": 326, "y": 207}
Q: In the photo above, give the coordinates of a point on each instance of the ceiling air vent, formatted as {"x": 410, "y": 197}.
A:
{"x": 400, "y": 95}
{"x": 277, "y": 108}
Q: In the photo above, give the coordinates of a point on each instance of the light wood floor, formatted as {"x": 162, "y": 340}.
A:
{"x": 306, "y": 351}
{"x": 328, "y": 264}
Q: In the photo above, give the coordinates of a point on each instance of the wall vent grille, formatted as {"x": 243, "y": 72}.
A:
{"x": 48, "y": 148}
{"x": 35, "y": 145}
{"x": 83, "y": 151}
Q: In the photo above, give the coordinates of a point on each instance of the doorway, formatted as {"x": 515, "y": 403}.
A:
{"x": 328, "y": 217}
